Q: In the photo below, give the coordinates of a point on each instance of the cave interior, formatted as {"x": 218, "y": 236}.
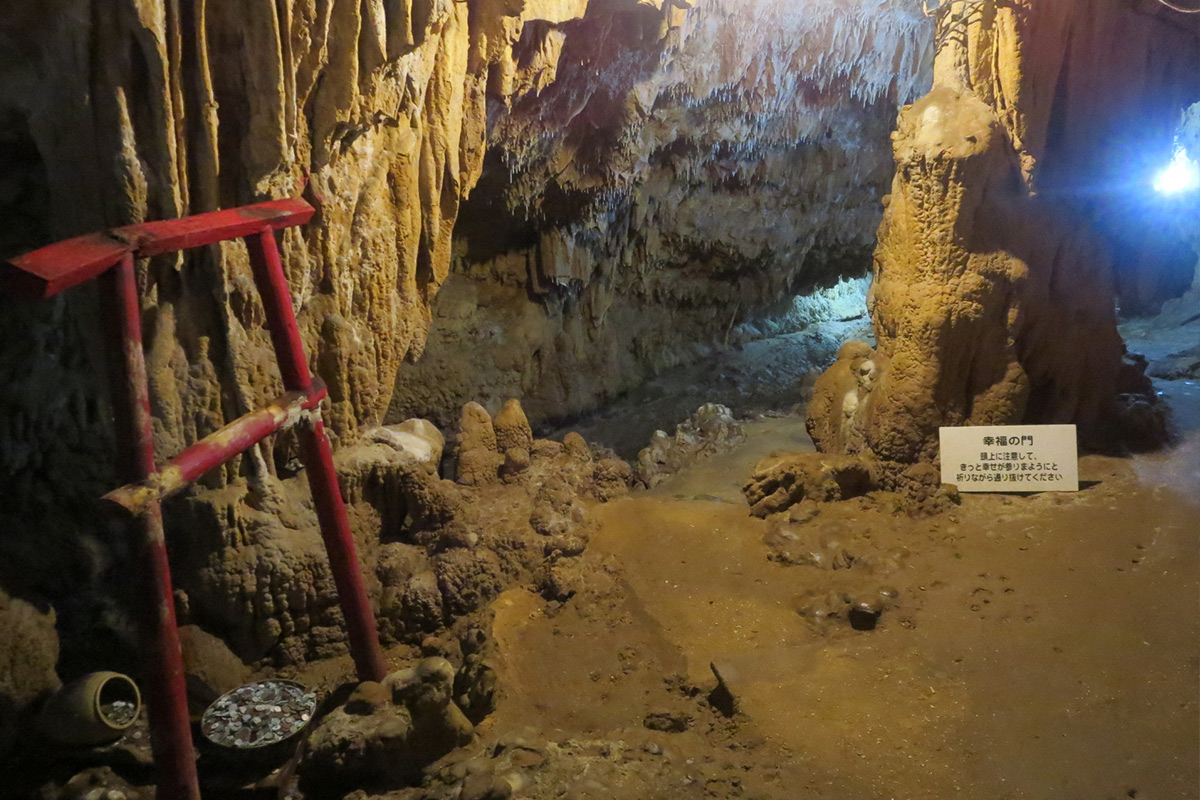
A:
{"x": 585, "y": 438}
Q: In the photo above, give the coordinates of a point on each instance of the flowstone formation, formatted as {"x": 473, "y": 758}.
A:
{"x": 28, "y": 652}
{"x": 993, "y": 295}
{"x": 250, "y": 566}
{"x": 680, "y": 181}
{"x": 373, "y": 112}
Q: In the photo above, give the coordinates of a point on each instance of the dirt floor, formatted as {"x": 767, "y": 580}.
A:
{"x": 1014, "y": 646}
{"x": 1026, "y": 646}
{"x": 1030, "y": 646}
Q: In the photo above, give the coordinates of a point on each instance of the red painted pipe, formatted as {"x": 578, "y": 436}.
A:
{"x": 343, "y": 555}
{"x": 277, "y": 303}
{"x": 318, "y": 461}
{"x": 170, "y": 728}
{"x": 215, "y": 449}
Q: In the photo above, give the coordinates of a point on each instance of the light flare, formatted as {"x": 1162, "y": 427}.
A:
{"x": 1181, "y": 175}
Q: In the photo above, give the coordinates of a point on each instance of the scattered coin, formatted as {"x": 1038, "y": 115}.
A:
{"x": 258, "y": 714}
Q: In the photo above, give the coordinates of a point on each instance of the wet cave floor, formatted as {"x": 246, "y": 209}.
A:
{"x": 1029, "y": 646}
{"x": 1043, "y": 645}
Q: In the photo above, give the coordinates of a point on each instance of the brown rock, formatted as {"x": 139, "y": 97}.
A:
{"x": 516, "y": 461}
{"x": 993, "y": 303}
{"x": 478, "y": 459}
{"x": 545, "y": 449}
{"x": 577, "y": 446}
{"x": 385, "y": 733}
{"x": 610, "y": 479}
{"x": 512, "y": 428}
{"x": 211, "y": 668}
{"x": 778, "y": 483}
{"x": 483, "y": 786}
{"x": 475, "y": 429}
{"x": 28, "y": 653}
{"x": 367, "y": 698}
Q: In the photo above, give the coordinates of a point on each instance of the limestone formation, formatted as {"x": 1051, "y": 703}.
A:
{"x": 671, "y": 185}
{"x": 418, "y": 438}
{"x": 478, "y": 459}
{"x": 512, "y": 428}
{"x": 711, "y": 429}
{"x": 28, "y": 652}
{"x": 782, "y": 482}
{"x": 993, "y": 297}
{"x": 383, "y": 735}
{"x": 577, "y": 446}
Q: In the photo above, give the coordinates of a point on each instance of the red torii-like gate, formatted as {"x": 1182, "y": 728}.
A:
{"x": 110, "y": 256}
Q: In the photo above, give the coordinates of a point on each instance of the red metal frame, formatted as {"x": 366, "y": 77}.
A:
{"x": 110, "y": 256}
{"x": 217, "y": 448}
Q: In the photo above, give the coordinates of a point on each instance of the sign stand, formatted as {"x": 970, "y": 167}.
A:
{"x": 1010, "y": 458}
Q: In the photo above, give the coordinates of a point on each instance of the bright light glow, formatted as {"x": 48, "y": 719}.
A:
{"x": 1181, "y": 175}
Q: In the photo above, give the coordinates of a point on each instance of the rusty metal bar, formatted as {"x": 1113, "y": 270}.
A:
{"x": 318, "y": 461}
{"x": 215, "y": 449}
{"x": 170, "y": 728}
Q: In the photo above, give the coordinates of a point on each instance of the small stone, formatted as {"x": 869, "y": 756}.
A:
{"x": 482, "y": 786}
{"x": 667, "y": 721}
{"x": 577, "y": 446}
{"x": 512, "y": 428}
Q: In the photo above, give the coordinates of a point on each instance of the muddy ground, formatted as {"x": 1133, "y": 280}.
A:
{"x": 1038, "y": 646}
{"x": 1014, "y": 646}
{"x": 1028, "y": 646}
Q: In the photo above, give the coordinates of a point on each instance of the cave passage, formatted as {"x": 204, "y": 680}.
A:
{"x": 637, "y": 322}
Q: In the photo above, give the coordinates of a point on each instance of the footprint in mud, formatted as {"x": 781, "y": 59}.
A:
{"x": 995, "y": 596}
{"x": 980, "y": 597}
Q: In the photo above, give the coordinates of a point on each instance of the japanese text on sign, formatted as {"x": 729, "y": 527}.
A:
{"x": 1010, "y": 458}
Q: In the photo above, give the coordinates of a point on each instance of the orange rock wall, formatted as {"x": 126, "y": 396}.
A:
{"x": 993, "y": 294}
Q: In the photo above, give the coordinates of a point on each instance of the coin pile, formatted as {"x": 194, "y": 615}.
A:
{"x": 258, "y": 714}
{"x": 120, "y": 713}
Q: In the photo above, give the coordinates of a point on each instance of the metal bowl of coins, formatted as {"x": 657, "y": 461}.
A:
{"x": 260, "y": 718}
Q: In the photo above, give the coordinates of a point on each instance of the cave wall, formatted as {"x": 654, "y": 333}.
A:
{"x": 379, "y": 114}
{"x": 127, "y": 111}
{"x": 675, "y": 182}
{"x": 993, "y": 293}
{"x": 145, "y": 110}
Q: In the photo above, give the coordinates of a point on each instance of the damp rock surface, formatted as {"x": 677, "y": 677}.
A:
{"x": 994, "y": 287}
{"x": 386, "y": 742}
{"x": 28, "y": 652}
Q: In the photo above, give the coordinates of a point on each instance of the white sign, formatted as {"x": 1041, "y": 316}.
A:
{"x": 1010, "y": 458}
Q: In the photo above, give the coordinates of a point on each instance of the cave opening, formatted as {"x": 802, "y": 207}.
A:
{"x": 643, "y": 332}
